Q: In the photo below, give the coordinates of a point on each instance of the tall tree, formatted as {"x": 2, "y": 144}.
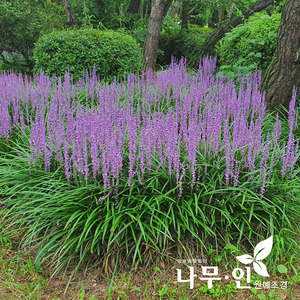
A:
{"x": 71, "y": 21}
{"x": 185, "y": 15}
{"x": 158, "y": 9}
{"x": 228, "y": 24}
{"x": 284, "y": 71}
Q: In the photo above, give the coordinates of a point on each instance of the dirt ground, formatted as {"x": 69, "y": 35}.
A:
{"x": 153, "y": 282}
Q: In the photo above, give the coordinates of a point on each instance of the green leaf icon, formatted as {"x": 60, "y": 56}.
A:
{"x": 282, "y": 269}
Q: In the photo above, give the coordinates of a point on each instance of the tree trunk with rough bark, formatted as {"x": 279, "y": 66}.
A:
{"x": 174, "y": 9}
{"x": 71, "y": 21}
{"x": 225, "y": 27}
{"x": 152, "y": 38}
{"x": 284, "y": 71}
{"x": 185, "y": 15}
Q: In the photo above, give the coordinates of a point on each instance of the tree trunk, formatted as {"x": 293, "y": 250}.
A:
{"x": 219, "y": 33}
{"x": 175, "y": 9}
{"x": 284, "y": 71}
{"x": 185, "y": 15}
{"x": 221, "y": 15}
{"x": 134, "y": 6}
{"x": 71, "y": 21}
{"x": 146, "y": 14}
{"x": 151, "y": 41}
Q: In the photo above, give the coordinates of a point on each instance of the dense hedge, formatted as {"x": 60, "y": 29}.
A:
{"x": 253, "y": 43}
{"x": 113, "y": 53}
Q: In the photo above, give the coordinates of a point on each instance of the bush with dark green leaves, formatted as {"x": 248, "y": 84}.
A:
{"x": 21, "y": 24}
{"x": 170, "y": 44}
{"x": 193, "y": 41}
{"x": 177, "y": 43}
{"x": 112, "y": 53}
{"x": 253, "y": 43}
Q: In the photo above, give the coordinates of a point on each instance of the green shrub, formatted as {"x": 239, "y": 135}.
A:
{"x": 113, "y": 53}
{"x": 201, "y": 30}
{"x": 170, "y": 44}
{"x": 174, "y": 42}
{"x": 139, "y": 34}
{"x": 193, "y": 41}
{"x": 250, "y": 43}
{"x": 21, "y": 24}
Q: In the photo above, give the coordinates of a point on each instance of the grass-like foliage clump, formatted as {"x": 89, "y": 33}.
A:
{"x": 143, "y": 165}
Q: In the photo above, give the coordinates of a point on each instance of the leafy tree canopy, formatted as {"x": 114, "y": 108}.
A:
{"x": 21, "y": 24}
